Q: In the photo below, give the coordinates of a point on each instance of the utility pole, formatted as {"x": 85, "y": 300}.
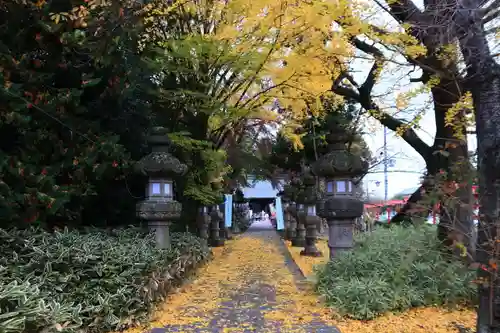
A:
{"x": 386, "y": 178}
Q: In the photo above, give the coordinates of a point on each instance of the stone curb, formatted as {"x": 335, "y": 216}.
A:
{"x": 300, "y": 277}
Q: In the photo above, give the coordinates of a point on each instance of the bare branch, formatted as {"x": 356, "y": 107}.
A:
{"x": 492, "y": 15}
{"x": 364, "y": 98}
{"x": 487, "y": 11}
{"x": 385, "y": 119}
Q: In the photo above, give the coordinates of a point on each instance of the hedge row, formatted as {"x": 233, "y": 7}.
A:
{"x": 394, "y": 269}
{"x": 87, "y": 282}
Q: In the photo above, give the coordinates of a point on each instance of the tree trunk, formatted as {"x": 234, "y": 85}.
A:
{"x": 483, "y": 75}
{"x": 487, "y": 109}
{"x": 449, "y": 154}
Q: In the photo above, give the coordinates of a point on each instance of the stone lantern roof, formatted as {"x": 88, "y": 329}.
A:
{"x": 339, "y": 162}
{"x": 160, "y": 162}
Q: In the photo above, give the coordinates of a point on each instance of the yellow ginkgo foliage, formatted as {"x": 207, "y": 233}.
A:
{"x": 292, "y": 51}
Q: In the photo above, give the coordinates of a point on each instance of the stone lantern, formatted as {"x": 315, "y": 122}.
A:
{"x": 311, "y": 220}
{"x": 286, "y": 214}
{"x": 235, "y": 228}
{"x": 204, "y": 223}
{"x": 238, "y": 210}
{"x": 341, "y": 206}
{"x": 293, "y": 190}
{"x": 300, "y": 234}
{"x": 217, "y": 218}
{"x": 159, "y": 208}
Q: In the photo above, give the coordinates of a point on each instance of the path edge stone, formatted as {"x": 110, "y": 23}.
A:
{"x": 300, "y": 278}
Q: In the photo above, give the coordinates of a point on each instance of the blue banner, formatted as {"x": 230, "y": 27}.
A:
{"x": 228, "y": 210}
{"x": 280, "y": 222}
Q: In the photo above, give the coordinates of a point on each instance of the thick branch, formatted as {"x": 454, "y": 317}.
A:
{"x": 364, "y": 98}
{"x": 385, "y": 119}
{"x": 492, "y": 15}
{"x": 405, "y": 11}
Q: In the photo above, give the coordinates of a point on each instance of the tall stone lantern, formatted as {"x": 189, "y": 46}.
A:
{"x": 340, "y": 205}
{"x": 311, "y": 220}
{"x": 217, "y": 233}
{"x": 286, "y": 214}
{"x": 203, "y": 221}
{"x": 159, "y": 208}
{"x": 300, "y": 235}
{"x": 238, "y": 210}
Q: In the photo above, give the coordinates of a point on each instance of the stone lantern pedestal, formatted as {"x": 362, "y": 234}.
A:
{"x": 159, "y": 209}
{"x": 286, "y": 220}
{"x": 159, "y": 215}
{"x": 310, "y": 248}
{"x": 300, "y": 236}
{"x": 311, "y": 221}
{"x": 292, "y": 224}
{"x": 340, "y": 214}
{"x": 286, "y": 197}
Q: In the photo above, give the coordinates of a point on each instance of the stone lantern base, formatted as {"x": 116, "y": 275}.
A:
{"x": 217, "y": 242}
{"x": 229, "y": 233}
{"x": 340, "y": 235}
{"x": 215, "y": 229}
{"x": 298, "y": 242}
{"x": 310, "y": 249}
{"x": 159, "y": 214}
{"x": 161, "y": 230}
{"x": 311, "y": 252}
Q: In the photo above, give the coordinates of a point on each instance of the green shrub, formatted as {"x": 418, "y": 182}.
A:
{"x": 87, "y": 282}
{"x": 392, "y": 270}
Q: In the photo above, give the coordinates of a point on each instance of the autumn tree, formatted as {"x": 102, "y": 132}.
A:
{"x": 220, "y": 75}
{"x": 285, "y": 158}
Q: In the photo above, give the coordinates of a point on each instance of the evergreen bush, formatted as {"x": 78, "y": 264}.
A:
{"x": 394, "y": 269}
{"x": 87, "y": 282}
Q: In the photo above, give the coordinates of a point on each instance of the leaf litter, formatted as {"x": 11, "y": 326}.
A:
{"x": 418, "y": 320}
{"x": 248, "y": 256}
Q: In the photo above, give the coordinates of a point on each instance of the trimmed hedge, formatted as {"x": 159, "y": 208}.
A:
{"x": 394, "y": 269}
{"x": 87, "y": 282}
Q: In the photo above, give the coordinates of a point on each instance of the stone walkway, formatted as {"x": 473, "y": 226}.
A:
{"x": 253, "y": 286}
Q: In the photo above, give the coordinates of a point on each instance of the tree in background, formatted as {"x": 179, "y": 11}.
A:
{"x": 286, "y": 158}
{"x": 69, "y": 94}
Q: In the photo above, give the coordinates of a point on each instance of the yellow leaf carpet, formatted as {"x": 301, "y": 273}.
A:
{"x": 252, "y": 285}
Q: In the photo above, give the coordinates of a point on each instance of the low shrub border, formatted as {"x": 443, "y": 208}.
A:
{"x": 88, "y": 282}
{"x": 394, "y": 269}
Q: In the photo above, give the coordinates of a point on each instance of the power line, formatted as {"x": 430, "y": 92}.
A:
{"x": 395, "y": 171}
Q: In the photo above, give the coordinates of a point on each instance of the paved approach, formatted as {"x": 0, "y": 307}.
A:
{"x": 253, "y": 286}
